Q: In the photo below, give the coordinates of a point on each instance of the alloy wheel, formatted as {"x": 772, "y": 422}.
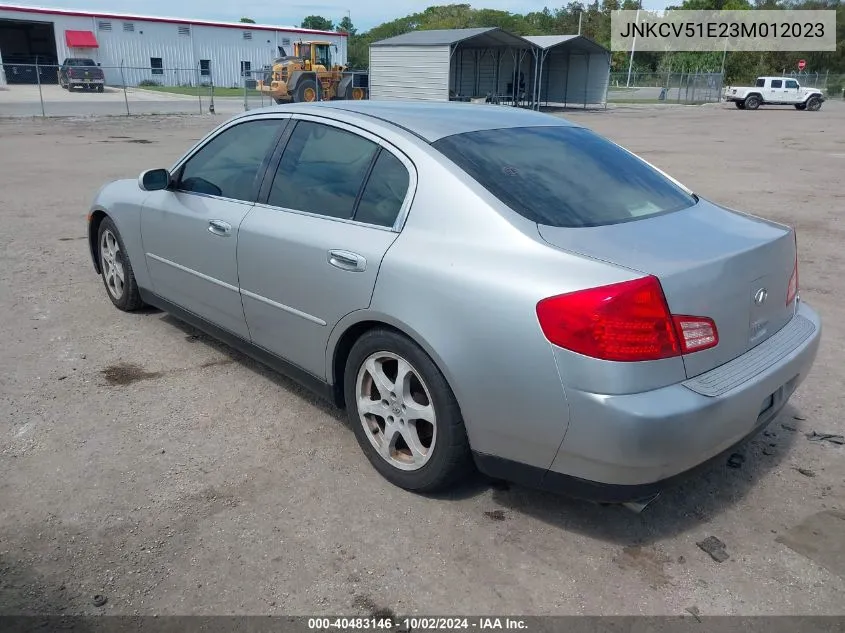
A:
{"x": 111, "y": 260}
{"x": 395, "y": 408}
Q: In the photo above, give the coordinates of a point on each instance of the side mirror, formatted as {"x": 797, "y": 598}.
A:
{"x": 154, "y": 180}
{"x": 99, "y": 64}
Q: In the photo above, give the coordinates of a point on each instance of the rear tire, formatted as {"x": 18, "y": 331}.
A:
{"x": 814, "y": 104}
{"x": 740, "y": 105}
{"x": 101, "y": 88}
{"x": 115, "y": 268}
{"x": 752, "y": 102}
{"x": 387, "y": 381}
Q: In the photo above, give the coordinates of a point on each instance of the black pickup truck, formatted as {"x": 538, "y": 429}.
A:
{"x": 79, "y": 72}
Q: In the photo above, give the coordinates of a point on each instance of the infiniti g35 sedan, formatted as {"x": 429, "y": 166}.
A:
{"x": 478, "y": 286}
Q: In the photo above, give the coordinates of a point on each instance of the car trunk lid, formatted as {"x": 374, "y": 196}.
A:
{"x": 711, "y": 262}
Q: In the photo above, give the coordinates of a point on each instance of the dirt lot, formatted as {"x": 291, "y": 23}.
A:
{"x": 202, "y": 483}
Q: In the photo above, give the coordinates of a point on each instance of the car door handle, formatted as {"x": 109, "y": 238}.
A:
{"x": 345, "y": 260}
{"x": 219, "y": 227}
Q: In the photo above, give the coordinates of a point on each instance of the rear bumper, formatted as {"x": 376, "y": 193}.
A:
{"x": 628, "y": 447}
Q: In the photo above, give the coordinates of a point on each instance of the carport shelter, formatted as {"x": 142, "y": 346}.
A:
{"x": 488, "y": 64}
{"x": 451, "y": 64}
{"x": 572, "y": 70}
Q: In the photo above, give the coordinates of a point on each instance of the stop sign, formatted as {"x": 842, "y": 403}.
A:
{"x": 802, "y": 64}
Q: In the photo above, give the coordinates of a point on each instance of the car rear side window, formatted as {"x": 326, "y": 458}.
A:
{"x": 564, "y": 176}
{"x": 384, "y": 192}
{"x": 322, "y": 170}
{"x": 228, "y": 164}
{"x": 777, "y": 83}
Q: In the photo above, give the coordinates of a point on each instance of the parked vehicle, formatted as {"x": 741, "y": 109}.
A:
{"x": 476, "y": 285}
{"x": 310, "y": 75}
{"x": 80, "y": 72}
{"x": 775, "y": 91}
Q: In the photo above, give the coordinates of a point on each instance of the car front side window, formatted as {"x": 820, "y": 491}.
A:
{"x": 227, "y": 166}
{"x": 322, "y": 170}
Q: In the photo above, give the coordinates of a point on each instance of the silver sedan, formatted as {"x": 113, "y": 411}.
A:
{"x": 479, "y": 286}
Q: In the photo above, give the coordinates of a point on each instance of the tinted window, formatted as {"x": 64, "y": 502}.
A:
{"x": 228, "y": 164}
{"x": 564, "y": 176}
{"x": 80, "y": 62}
{"x": 322, "y": 170}
{"x": 791, "y": 84}
{"x": 760, "y": 83}
{"x": 385, "y": 191}
{"x": 777, "y": 83}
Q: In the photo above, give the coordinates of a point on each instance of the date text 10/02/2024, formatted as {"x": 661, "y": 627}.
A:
{"x": 416, "y": 624}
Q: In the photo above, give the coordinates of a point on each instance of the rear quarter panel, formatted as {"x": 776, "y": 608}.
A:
{"x": 463, "y": 279}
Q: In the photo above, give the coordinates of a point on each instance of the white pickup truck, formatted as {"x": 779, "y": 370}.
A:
{"x": 774, "y": 91}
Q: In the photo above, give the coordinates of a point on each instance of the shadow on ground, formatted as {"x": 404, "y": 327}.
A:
{"x": 678, "y": 509}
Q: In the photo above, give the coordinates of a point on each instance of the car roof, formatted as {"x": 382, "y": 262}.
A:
{"x": 430, "y": 120}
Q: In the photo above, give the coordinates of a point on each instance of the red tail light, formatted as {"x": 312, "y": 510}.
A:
{"x": 792, "y": 290}
{"x": 628, "y": 321}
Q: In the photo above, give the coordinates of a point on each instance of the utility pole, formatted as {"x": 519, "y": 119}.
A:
{"x": 580, "y": 15}
{"x": 634, "y": 45}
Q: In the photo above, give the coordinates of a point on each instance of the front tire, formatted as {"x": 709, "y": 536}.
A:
{"x": 814, "y": 104}
{"x": 306, "y": 91}
{"x": 115, "y": 268}
{"x": 752, "y": 102}
{"x": 404, "y": 415}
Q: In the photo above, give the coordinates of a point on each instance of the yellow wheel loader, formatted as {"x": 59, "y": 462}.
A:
{"x": 310, "y": 75}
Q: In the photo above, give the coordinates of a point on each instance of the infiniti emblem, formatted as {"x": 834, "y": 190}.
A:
{"x": 760, "y": 296}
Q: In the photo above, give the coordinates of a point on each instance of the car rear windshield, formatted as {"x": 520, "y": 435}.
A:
{"x": 564, "y": 176}
{"x": 81, "y": 62}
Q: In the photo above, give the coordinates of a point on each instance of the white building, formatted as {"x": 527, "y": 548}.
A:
{"x": 136, "y": 48}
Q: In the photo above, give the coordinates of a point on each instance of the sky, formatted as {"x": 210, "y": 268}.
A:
{"x": 365, "y": 14}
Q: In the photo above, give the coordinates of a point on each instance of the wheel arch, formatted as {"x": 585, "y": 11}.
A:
{"x": 95, "y": 219}
{"x": 351, "y": 328}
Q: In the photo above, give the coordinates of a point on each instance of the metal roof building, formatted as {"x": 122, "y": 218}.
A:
{"x": 489, "y": 64}
{"x": 571, "y": 70}
{"x": 169, "y": 51}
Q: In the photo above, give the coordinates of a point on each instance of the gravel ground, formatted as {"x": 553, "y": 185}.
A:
{"x": 147, "y": 463}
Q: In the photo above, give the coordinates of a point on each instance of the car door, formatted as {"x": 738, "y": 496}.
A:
{"x": 310, "y": 250}
{"x": 190, "y": 230}
{"x": 792, "y": 91}
{"x": 776, "y": 91}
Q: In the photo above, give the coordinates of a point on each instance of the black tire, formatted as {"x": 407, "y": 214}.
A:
{"x": 130, "y": 299}
{"x": 63, "y": 85}
{"x": 450, "y": 459}
{"x": 101, "y": 88}
{"x": 303, "y": 87}
{"x": 814, "y": 104}
{"x": 752, "y": 102}
{"x": 740, "y": 105}
{"x": 800, "y": 106}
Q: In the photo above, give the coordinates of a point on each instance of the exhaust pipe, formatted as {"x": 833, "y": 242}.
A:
{"x": 640, "y": 505}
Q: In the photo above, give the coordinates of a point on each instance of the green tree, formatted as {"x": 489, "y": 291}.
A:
{"x": 247, "y": 20}
{"x": 318, "y": 23}
{"x": 346, "y": 26}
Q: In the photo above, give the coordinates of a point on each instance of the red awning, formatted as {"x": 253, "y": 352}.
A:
{"x": 81, "y": 39}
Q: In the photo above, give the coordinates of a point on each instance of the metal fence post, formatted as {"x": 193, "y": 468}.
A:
{"x": 123, "y": 81}
{"x": 246, "y": 104}
{"x": 40, "y": 93}
{"x": 199, "y": 89}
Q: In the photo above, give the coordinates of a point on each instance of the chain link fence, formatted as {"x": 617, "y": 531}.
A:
{"x": 665, "y": 87}
{"x": 50, "y": 90}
